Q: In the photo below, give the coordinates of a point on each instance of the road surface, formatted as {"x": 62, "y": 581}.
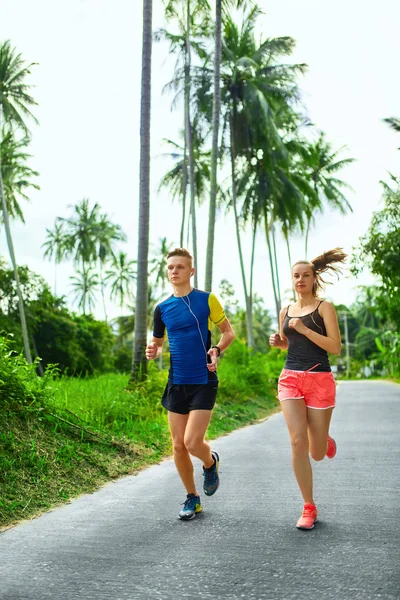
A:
{"x": 125, "y": 542}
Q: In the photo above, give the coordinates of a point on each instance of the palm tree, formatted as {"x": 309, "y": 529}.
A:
{"x": 322, "y": 165}
{"x": 174, "y": 180}
{"x": 85, "y": 284}
{"x": 256, "y": 89}
{"x": 55, "y": 247}
{"x": 159, "y": 264}
{"x": 139, "y": 364}
{"x": 16, "y": 175}
{"x": 215, "y": 132}
{"x": 192, "y": 18}
{"x": 107, "y": 234}
{"x": 88, "y": 237}
{"x": 81, "y": 232}
{"x": 120, "y": 276}
{"x": 15, "y": 103}
{"x": 394, "y": 123}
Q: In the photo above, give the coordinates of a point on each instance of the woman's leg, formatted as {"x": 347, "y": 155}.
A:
{"x": 295, "y": 413}
{"x": 318, "y": 429}
{"x": 184, "y": 466}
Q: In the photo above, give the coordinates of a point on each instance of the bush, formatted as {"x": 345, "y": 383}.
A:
{"x": 245, "y": 374}
{"x": 20, "y": 387}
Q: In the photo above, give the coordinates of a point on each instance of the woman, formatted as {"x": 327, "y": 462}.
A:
{"x": 306, "y": 389}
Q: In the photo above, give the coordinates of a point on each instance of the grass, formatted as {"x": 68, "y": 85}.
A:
{"x": 69, "y": 436}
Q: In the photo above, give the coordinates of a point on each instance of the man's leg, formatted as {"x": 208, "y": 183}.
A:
{"x": 184, "y": 466}
{"x": 195, "y": 432}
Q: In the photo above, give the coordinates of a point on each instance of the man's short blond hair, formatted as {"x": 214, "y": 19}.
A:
{"x": 181, "y": 252}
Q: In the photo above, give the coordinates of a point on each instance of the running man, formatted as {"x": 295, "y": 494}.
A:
{"x": 187, "y": 316}
{"x": 306, "y": 389}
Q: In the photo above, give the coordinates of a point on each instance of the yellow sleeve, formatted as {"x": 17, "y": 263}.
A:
{"x": 217, "y": 313}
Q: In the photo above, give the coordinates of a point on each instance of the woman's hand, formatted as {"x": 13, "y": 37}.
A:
{"x": 298, "y": 325}
{"x": 275, "y": 340}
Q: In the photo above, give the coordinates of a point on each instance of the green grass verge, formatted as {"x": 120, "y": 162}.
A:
{"x": 85, "y": 432}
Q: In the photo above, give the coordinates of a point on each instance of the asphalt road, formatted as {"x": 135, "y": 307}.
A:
{"x": 125, "y": 542}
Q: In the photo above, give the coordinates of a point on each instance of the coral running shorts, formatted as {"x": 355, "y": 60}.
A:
{"x": 317, "y": 388}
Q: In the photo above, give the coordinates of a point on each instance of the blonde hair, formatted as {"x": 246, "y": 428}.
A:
{"x": 181, "y": 252}
{"x": 324, "y": 264}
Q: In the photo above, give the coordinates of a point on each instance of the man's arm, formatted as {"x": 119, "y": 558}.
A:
{"x": 227, "y": 337}
{"x": 154, "y": 348}
{"x": 226, "y": 340}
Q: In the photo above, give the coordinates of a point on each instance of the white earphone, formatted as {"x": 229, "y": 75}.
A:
{"x": 197, "y": 321}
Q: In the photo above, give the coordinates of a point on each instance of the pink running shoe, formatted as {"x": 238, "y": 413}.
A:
{"x": 331, "y": 451}
{"x": 308, "y": 518}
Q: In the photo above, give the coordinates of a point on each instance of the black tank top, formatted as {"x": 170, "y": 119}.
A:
{"x": 303, "y": 354}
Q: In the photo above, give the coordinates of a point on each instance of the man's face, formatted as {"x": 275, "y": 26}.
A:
{"x": 179, "y": 270}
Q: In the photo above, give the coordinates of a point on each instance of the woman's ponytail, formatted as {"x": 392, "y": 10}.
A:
{"x": 325, "y": 264}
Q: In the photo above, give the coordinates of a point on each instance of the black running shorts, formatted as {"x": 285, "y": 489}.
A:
{"x": 182, "y": 399}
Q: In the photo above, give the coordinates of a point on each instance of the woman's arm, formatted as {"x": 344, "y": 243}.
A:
{"x": 279, "y": 339}
{"x": 331, "y": 342}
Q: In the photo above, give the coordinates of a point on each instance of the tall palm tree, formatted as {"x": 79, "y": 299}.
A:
{"x": 192, "y": 19}
{"x": 256, "y": 88}
{"x": 17, "y": 176}
{"x": 219, "y": 5}
{"x": 174, "y": 180}
{"x": 85, "y": 284}
{"x": 120, "y": 276}
{"x": 322, "y": 164}
{"x": 55, "y": 247}
{"x": 139, "y": 364}
{"x": 15, "y": 103}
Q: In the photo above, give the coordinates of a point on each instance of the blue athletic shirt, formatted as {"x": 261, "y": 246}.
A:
{"x": 188, "y": 357}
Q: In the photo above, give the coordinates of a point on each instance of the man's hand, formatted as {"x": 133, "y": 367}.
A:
{"x": 151, "y": 350}
{"x": 213, "y": 354}
{"x": 298, "y": 325}
{"x": 275, "y": 340}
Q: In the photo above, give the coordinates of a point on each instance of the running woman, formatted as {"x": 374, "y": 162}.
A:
{"x": 187, "y": 316}
{"x": 309, "y": 330}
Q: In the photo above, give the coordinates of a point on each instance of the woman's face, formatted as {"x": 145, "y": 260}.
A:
{"x": 303, "y": 278}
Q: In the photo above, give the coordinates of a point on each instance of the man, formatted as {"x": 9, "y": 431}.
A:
{"x": 192, "y": 385}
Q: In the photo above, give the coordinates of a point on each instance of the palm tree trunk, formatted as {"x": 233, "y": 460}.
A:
{"x": 184, "y": 191}
{"x": 278, "y": 288}
{"x": 253, "y": 248}
{"x": 307, "y": 234}
{"x": 10, "y": 245}
{"x": 214, "y": 153}
{"x": 102, "y": 291}
{"x": 290, "y": 260}
{"x": 139, "y": 363}
{"x": 271, "y": 264}
{"x": 189, "y": 138}
{"x": 249, "y": 308}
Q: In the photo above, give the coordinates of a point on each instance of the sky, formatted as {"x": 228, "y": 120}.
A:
{"x": 87, "y": 144}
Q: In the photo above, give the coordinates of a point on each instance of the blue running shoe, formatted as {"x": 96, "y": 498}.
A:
{"x": 211, "y": 477}
{"x": 191, "y": 507}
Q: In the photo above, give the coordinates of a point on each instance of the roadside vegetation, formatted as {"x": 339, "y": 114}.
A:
{"x": 62, "y": 436}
